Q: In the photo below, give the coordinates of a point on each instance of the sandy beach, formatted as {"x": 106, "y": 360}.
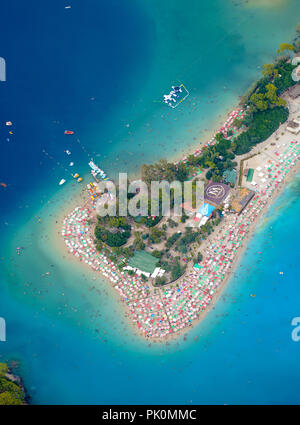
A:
{"x": 149, "y": 309}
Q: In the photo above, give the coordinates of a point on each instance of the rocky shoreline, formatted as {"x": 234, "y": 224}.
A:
{"x": 12, "y": 389}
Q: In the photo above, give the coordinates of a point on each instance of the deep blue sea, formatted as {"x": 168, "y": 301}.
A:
{"x": 100, "y": 69}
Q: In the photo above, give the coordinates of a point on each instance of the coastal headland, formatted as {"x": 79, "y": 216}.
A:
{"x": 160, "y": 309}
{"x": 12, "y": 391}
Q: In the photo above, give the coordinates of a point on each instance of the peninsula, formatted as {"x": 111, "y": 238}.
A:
{"x": 168, "y": 271}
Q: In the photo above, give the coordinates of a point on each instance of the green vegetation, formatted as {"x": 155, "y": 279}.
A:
{"x": 157, "y": 254}
{"x": 263, "y": 124}
{"x": 165, "y": 265}
{"x": 199, "y": 257}
{"x": 10, "y": 393}
{"x": 112, "y": 239}
{"x": 124, "y": 252}
{"x": 266, "y": 100}
{"x": 138, "y": 243}
{"x": 280, "y": 77}
{"x": 148, "y": 221}
{"x": 217, "y": 158}
{"x": 118, "y": 233}
{"x": 184, "y": 217}
{"x": 188, "y": 238}
{"x": 172, "y": 223}
{"x": 284, "y": 79}
{"x": 160, "y": 281}
{"x": 270, "y": 70}
{"x": 163, "y": 170}
{"x": 284, "y": 47}
{"x": 265, "y": 112}
{"x": 156, "y": 235}
{"x": 237, "y": 123}
{"x": 172, "y": 239}
{"x": 177, "y": 270}
{"x": 3, "y": 369}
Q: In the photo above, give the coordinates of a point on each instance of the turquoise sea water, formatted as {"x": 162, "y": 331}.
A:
{"x": 95, "y": 68}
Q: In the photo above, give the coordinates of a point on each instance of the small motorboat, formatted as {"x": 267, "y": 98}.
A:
{"x": 69, "y": 132}
{"x": 62, "y": 182}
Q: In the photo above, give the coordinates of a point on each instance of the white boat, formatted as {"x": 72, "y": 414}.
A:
{"x": 97, "y": 170}
{"x": 62, "y": 182}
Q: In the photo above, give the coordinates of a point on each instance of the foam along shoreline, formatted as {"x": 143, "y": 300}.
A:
{"x": 171, "y": 309}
